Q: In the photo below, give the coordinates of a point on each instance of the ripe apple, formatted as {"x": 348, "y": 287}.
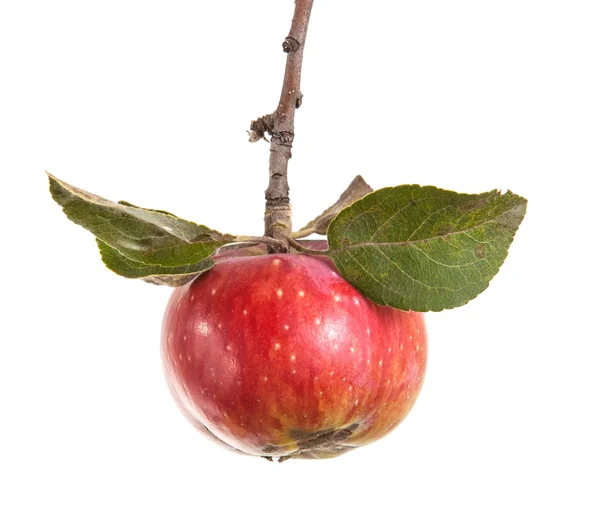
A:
{"x": 279, "y": 356}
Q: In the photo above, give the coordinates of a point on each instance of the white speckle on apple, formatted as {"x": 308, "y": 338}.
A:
{"x": 213, "y": 292}
{"x": 356, "y": 301}
{"x": 184, "y": 337}
{"x": 337, "y": 298}
{"x": 276, "y": 262}
{"x": 418, "y": 347}
{"x": 279, "y": 293}
{"x": 293, "y": 357}
{"x": 277, "y": 346}
{"x": 331, "y": 373}
{"x": 301, "y": 293}
{"x": 380, "y": 362}
{"x": 265, "y": 379}
{"x": 355, "y": 403}
{"x": 410, "y": 337}
{"x": 203, "y": 328}
{"x": 293, "y": 372}
{"x": 369, "y": 331}
{"x": 344, "y": 379}
{"x": 228, "y": 348}
{"x": 389, "y": 349}
{"x": 352, "y": 349}
{"x": 317, "y": 321}
{"x": 245, "y": 312}
{"x": 320, "y": 393}
{"x": 286, "y": 327}
{"x": 401, "y": 346}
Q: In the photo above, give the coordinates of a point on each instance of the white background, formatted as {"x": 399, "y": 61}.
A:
{"x": 149, "y": 101}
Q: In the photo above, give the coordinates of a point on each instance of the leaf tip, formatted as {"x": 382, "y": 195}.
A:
{"x": 52, "y": 178}
{"x": 359, "y": 180}
{"x": 54, "y": 184}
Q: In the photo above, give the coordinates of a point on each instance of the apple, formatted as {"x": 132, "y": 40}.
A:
{"x": 279, "y": 356}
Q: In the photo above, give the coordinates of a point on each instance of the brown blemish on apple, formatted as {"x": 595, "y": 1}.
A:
{"x": 322, "y": 440}
{"x": 313, "y": 444}
{"x": 270, "y": 449}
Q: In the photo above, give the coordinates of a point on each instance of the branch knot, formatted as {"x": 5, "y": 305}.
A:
{"x": 285, "y": 138}
{"x": 290, "y": 44}
{"x": 278, "y": 204}
{"x": 260, "y": 126}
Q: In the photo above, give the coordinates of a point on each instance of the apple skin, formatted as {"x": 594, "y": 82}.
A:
{"x": 279, "y": 356}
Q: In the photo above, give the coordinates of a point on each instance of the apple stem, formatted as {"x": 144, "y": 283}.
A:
{"x": 280, "y": 126}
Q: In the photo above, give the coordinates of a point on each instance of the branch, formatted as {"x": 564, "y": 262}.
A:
{"x": 280, "y": 126}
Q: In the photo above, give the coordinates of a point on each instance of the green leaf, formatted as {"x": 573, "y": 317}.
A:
{"x": 139, "y": 242}
{"x": 356, "y": 190}
{"x": 126, "y": 203}
{"x": 151, "y": 273}
{"x": 423, "y": 248}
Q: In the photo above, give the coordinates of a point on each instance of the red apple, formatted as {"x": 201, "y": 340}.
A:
{"x": 279, "y": 356}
